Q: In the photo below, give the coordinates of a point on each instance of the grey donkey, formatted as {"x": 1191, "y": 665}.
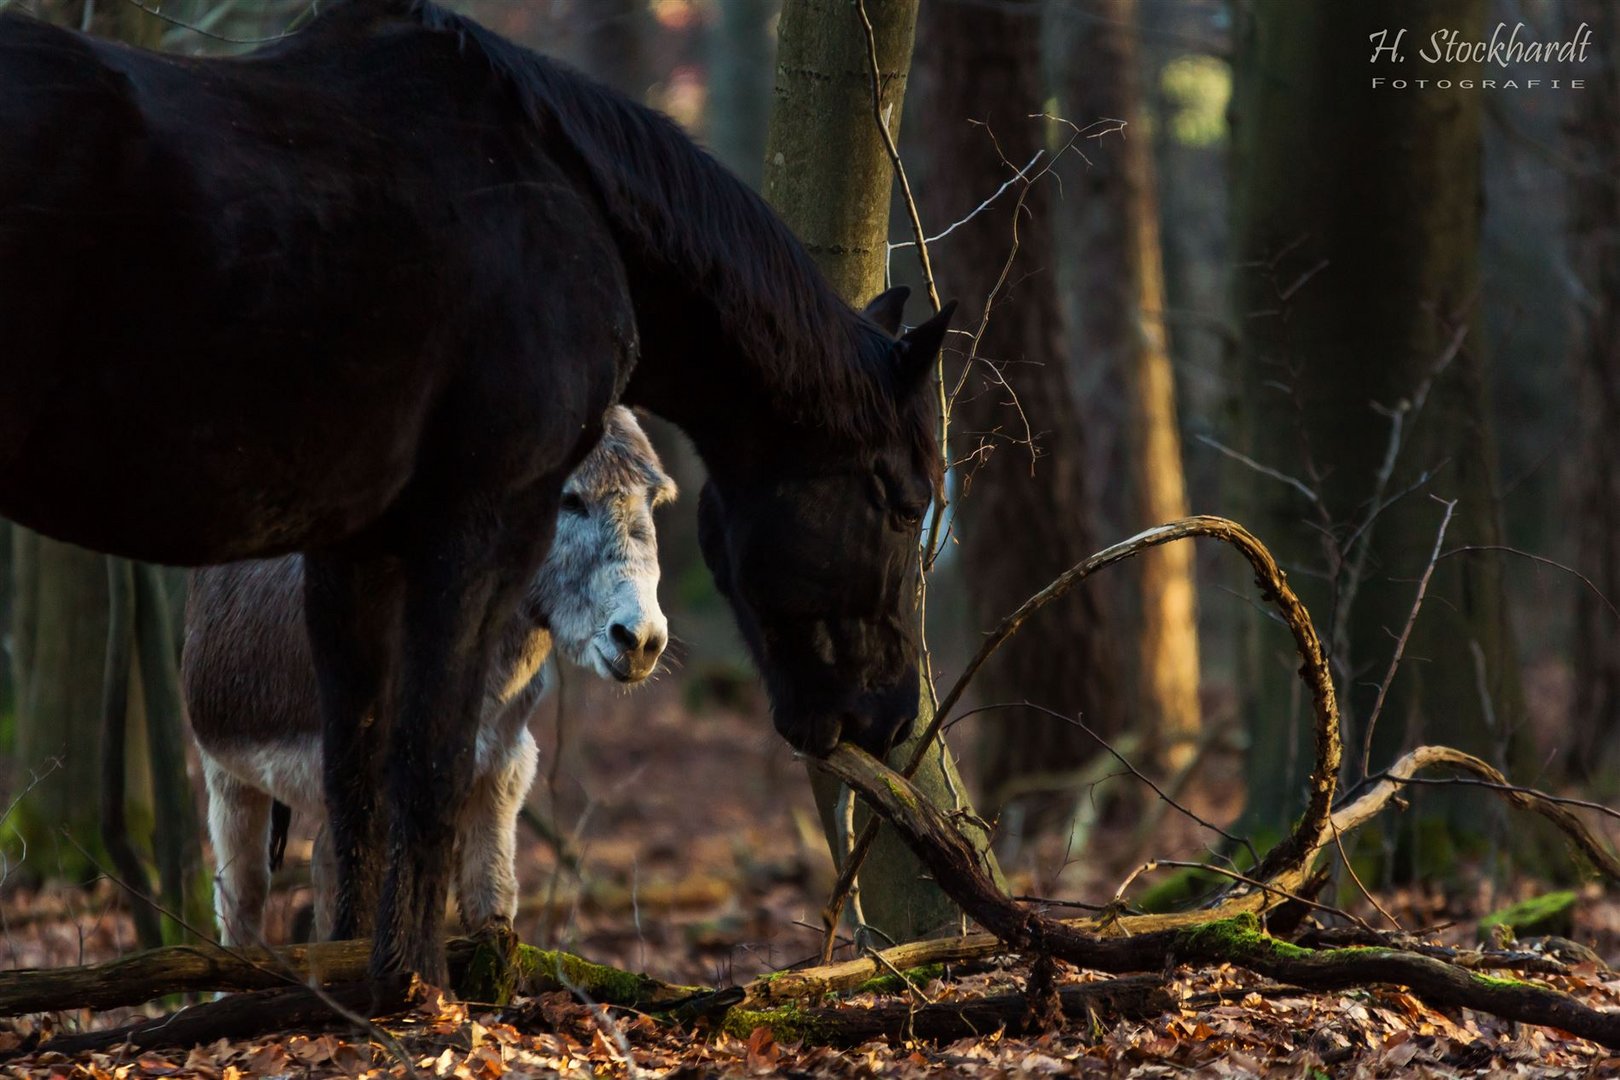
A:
{"x": 250, "y": 688}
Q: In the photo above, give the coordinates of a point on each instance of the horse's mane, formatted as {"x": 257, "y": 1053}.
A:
{"x": 672, "y": 203}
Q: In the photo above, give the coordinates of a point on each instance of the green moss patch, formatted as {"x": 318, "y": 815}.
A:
{"x": 786, "y": 1023}
{"x": 1552, "y": 913}
{"x": 892, "y": 983}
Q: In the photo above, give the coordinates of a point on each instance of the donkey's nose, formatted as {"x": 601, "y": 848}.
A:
{"x": 640, "y": 649}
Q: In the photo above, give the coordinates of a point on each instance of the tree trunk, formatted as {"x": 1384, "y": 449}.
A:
{"x": 60, "y": 641}
{"x": 1595, "y": 240}
{"x": 828, "y": 175}
{"x": 185, "y": 884}
{"x": 1356, "y": 226}
{"x": 740, "y": 52}
{"x": 1024, "y": 513}
{"x": 612, "y": 44}
{"x": 826, "y": 171}
{"x": 1121, "y": 334}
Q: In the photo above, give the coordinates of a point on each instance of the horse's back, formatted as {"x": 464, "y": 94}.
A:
{"x": 241, "y": 297}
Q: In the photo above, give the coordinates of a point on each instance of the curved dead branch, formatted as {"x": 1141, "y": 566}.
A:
{"x": 1313, "y": 829}
{"x": 1385, "y": 785}
{"x": 1236, "y": 940}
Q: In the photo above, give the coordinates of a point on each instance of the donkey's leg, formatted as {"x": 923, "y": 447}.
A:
{"x": 323, "y": 874}
{"x": 461, "y": 588}
{"x": 352, "y": 612}
{"x": 487, "y": 845}
{"x": 239, "y": 826}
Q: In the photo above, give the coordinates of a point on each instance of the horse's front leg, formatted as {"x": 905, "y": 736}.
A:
{"x": 460, "y": 590}
{"x": 352, "y": 612}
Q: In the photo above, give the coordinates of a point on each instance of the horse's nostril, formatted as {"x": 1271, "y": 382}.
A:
{"x": 654, "y": 645}
{"x": 623, "y": 638}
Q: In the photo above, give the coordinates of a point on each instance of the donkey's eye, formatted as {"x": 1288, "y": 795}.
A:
{"x": 572, "y": 504}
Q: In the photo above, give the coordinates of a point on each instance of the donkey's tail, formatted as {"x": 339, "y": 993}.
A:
{"x": 280, "y": 823}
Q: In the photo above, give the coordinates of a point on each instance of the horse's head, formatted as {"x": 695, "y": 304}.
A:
{"x": 815, "y": 548}
{"x": 598, "y": 589}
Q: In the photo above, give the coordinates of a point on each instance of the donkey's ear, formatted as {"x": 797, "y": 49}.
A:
{"x": 887, "y": 308}
{"x": 914, "y": 353}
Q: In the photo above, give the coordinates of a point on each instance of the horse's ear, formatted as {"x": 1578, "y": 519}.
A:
{"x": 887, "y": 308}
{"x": 914, "y": 353}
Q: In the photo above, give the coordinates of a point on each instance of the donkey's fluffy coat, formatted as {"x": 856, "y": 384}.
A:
{"x": 250, "y": 685}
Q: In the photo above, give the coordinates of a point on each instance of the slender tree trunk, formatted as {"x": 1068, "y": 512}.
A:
{"x": 1121, "y": 332}
{"x": 827, "y": 173}
{"x": 184, "y": 881}
{"x": 60, "y": 641}
{"x": 1595, "y": 243}
{"x": 741, "y": 49}
{"x": 613, "y": 44}
{"x": 1356, "y": 225}
{"x": 1023, "y": 509}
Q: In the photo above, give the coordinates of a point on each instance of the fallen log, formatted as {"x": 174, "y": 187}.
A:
{"x": 1110, "y": 999}
{"x": 243, "y": 1016}
{"x": 178, "y": 969}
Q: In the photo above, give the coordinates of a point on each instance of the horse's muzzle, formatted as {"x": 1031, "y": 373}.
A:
{"x": 876, "y": 721}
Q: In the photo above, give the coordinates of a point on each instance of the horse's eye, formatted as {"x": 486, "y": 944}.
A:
{"x": 909, "y": 516}
{"x": 572, "y": 504}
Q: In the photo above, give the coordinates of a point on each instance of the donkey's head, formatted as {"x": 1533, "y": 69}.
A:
{"x": 598, "y": 589}
{"x": 815, "y": 548}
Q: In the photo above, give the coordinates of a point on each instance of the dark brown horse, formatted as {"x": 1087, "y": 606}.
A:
{"x": 365, "y": 294}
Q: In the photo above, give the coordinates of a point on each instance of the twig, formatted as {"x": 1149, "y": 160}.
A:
{"x": 894, "y": 157}
{"x": 1402, "y": 417}
{"x": 1613, "y": 610}
{"x": 1263, "y": 470}
{"x": 34, "y": 780}
{"x": 1344, "y": 858}
{"x": 292, "y": 27}
{"x": 1021, "y": 174}
{"x": 1138, "y": 774}
{"x": 1505, "y": 788}
{"x": 1400, "y": 642}
{"x": 1377, "y": 790}
{"x": 1181, "y": 864}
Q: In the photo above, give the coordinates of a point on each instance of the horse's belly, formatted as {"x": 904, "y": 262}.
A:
{"x": 147, "y": 483}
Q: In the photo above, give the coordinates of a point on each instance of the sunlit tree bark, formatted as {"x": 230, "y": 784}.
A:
{"x": 828, "y": 174}
{"x": 1121, "y": 304}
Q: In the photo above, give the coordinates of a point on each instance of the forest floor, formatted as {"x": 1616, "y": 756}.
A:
{"x": 700, "y": 861}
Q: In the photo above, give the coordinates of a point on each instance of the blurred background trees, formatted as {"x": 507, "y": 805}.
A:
{"x": 1237, "y": 281}
{"x": 1362, "y": 364}
{"x": 1018, "y": 445}
{"x": 1594, "y": 234}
